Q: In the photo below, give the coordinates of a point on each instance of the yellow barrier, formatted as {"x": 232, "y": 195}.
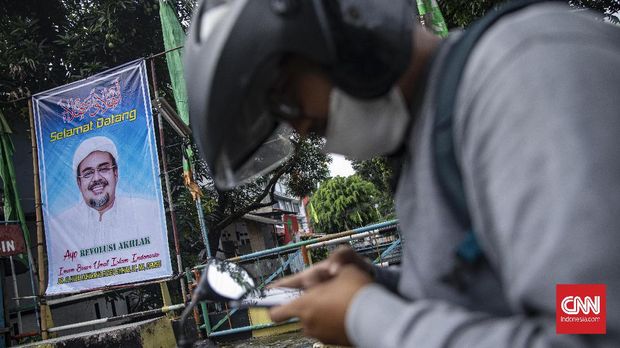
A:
{"x": 260, "y": 316}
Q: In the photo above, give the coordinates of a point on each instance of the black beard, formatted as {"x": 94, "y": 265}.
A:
{"x": 97, "y": 203}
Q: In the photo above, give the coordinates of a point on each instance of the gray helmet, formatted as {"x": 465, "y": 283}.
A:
{"x": 233, "y": 57}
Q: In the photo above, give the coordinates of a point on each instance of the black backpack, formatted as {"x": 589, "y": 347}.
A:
{"x": 449, "y": 176}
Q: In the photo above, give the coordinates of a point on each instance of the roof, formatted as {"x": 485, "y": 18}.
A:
{"x": 261, "y": 219}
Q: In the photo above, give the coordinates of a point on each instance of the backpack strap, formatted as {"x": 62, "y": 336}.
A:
{"x": 446, "y": 165}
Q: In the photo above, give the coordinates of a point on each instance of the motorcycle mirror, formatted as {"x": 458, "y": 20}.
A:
{"x": 221, "y": 281}
{"x": 225, "y": 281}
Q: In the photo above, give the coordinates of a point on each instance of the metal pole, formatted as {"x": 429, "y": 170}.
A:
{"x": 165, "y": 294}
{"x": 207, "y": 321}
{"x": 203, "y": 308}
{"x": 292, "y": 246}
{"x": 203, "y": 226}
{"x": 310, "y": 259}
{"x": 251, "y": 327}
{"x": 31, "y": 277}
{"x": 191, "y": 284}
{"x": 164, "y": 161}
{"x": 34, "y": 291}
{"x": 165, "y": 309}
{"x": 201, "y": 218}
{"x": 24, "y": 335}
{"x": 387, "y": 251}
{"x": 342, "y": 239}
{"x": 162, "y": 53}
{"x": 78, "y": 297}
{"x": 16, "y": 290}
{"x": 304, "y": 254}
{"x": 39, "y": 222}
{"x": 4, "y": 330}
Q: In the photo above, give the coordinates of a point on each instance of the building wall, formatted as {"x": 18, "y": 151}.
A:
{"x": 62, "y": 314}
{"x": 291, "y": 227}
{"x": 257, "y": 240}
{"x": 92, "y": 309}
{"x": 269, "y": 237}
{"x": 247, "y": 236}
{"x": 25, "y": 289}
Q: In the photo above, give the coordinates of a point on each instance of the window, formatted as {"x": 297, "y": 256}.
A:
{"x": 97, "y": 311}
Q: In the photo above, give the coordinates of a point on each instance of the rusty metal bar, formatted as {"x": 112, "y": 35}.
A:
{"x": 16, "y": 290}
{"x": 291, "y": 246}
{"x": 164, "y": 161}
{"x": 164, "y": 309}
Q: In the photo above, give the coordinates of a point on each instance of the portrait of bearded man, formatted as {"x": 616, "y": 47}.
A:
{"x": 103, "y": 214}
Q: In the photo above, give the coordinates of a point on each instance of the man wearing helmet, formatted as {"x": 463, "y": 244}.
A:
{"x": 534, "y": 136}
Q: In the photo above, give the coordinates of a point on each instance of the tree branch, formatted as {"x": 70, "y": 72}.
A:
{"x": 257, "y": 202}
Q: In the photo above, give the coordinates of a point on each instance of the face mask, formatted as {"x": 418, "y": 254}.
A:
{"x": 363, "y": 129}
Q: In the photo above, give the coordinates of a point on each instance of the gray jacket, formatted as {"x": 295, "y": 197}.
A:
{"x": 537, "y": 135}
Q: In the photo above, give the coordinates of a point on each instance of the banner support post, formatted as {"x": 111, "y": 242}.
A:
{"x": 39, "y": 223}
{"x": 164, "y": 160}
{"x": 20, "y": 325}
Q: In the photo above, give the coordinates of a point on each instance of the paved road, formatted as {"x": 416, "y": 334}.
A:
{"x": 290, "y": 340}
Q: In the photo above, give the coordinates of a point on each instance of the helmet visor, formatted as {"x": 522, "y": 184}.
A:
{"x": 274, "y": 151}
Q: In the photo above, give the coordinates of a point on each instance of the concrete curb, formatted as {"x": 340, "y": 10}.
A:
{"x": 148, "y": 333}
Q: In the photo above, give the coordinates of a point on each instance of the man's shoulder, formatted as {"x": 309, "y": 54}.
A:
{"x": 128, "y": 201}
{"x": 542, "y": 39}
{"x": 75, "y": 215}
{"x": 538, "y": 25}
{"x": 77, "y": 209}
{"x": 145, "y": 212}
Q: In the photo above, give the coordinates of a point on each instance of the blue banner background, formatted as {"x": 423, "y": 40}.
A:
{"x": 75, "y": 106}
{"x": 137, "y": 176}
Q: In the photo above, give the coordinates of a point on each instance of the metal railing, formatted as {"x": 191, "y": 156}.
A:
{"x": 299, "y": 251}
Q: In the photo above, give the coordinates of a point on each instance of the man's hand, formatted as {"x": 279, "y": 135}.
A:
{"x": 325, "y": 270}
{"x": 322, "y": 309}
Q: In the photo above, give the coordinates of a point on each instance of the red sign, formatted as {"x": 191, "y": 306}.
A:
{"x": 11, "y": 240}
{"x": 580, "y": 309}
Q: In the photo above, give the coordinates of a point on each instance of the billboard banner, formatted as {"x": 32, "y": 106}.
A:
{"x": 11, "y": 240}
{"x": 100, "y": 189}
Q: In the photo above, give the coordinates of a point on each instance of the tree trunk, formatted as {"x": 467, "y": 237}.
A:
{"x": 214, "y": 239}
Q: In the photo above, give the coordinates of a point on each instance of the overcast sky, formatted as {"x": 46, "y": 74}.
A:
{"x": 340, "y": 166}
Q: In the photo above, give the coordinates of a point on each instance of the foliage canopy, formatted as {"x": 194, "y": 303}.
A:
{"x": 380, "y": 172}
{"x": 345, "y": 203}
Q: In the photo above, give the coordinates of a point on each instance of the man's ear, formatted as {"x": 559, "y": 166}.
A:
{"x": 79, "y": 181}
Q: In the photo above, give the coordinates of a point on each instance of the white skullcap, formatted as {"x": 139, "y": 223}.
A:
{"x": 93, "y": 144}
